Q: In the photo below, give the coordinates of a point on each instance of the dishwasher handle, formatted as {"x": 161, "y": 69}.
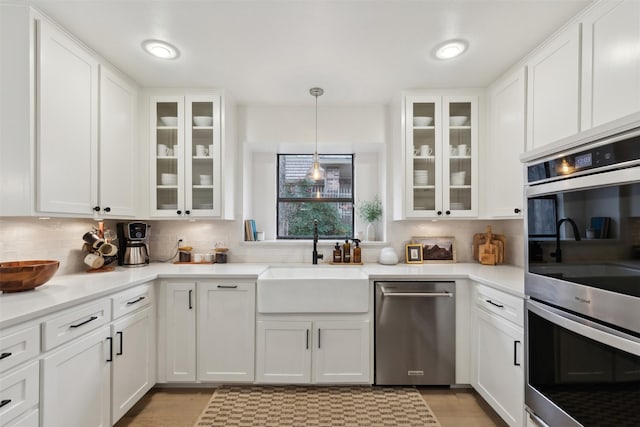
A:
{"x": 386, "y": 293}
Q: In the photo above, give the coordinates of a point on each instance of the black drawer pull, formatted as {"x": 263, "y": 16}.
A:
{"x": 5, "y": 402}
{"x": 190, "y": 303}
{"x": 227, "y": 286}
{"x": 120, "y": 352}
{"x": 318, "y": 337}
{"x": 307, "y": 340}
{"x": 5, "y": 355}
{"x": 91, "y": 319}
{"x": 135, "y": 301}
{"x": 515, "y": 353}
{"x": 493, "y": 303}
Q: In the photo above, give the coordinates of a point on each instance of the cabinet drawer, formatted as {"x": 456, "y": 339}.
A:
{"x": 74, "y": 322}
{"x": 131, "y": 300}
{"x": 19, "y": 391}
{"x": 17, "y": 346}
{"x": 504, "y": 305}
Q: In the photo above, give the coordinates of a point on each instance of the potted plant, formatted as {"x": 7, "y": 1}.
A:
{"x": 370, "y": 211}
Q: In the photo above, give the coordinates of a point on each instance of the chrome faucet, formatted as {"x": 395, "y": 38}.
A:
{"x": 316, "y": 255}
{"x": 576, "y": 234}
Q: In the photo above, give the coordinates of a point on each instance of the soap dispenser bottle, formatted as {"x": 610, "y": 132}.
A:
{"x": 346, "y": 252}
{"x": 337, "y": 254}
{"x": 357, "y": 252}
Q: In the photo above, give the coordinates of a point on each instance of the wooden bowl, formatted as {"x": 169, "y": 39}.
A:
{"x": 18, "y": 276}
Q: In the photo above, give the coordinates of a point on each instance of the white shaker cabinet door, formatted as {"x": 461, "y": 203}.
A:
{"x": 180, "y": 330}
{"x": 67, "y": 124}
{"x": 226, "y": 325}
{"x": 342, "y": 352}
{"x": 611, "y": 62}
{"x": 553, "y": 103}
{"x": 76, "y": 383}
{"x": 283, "y": 352}
{"x": 118, "y": 178}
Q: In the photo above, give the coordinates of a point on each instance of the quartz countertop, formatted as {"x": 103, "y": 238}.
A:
{"x": 68, "y": 290}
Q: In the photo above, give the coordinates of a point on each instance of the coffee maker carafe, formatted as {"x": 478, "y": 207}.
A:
{"x": 133, "y": 248}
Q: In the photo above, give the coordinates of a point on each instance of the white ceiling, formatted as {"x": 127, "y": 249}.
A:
{"x": 270, "y": 52}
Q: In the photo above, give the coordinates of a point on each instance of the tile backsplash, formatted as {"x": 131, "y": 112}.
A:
{"x": 61, "y": 239}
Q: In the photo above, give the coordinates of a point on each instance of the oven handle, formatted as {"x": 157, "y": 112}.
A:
{"x": 536, "y": 419}
{"x": 628, "y": 175}
{"x": 586, "y": 328}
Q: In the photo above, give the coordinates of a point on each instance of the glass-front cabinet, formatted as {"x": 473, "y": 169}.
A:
{"x": 185, "y": 152}
{"x": 441, "y": 149}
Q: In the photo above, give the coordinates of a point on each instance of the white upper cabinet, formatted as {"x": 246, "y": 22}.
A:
{"x": 186, "y": 156}
{"x": 66, "y": 123}
{"x": 501, "y": 150}
{"x": 610, "y": 62}
{"x": 553, "y": 102}
{"x": 441, "y": 156}
{"x": 118, "y": 109}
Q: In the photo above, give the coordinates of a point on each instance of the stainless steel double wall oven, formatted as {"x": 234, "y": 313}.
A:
{"x": 583, "y": 279}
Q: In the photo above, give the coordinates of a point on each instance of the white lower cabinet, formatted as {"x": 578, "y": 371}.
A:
{"x": 31, "y": 419}
{"x": 19, "y": 393}
{"x": 226, "y": 323}
{"x": 76, "y": 383}
{"x": 498, "y": 374}
{"x": 321, "y": 351}
{"x": 133, "y": 372}
{"x": 179, "y": 331}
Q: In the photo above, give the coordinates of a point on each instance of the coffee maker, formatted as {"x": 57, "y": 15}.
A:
{"x": 133, "y": 244}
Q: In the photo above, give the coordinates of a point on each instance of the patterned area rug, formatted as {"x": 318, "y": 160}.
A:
{"x": 309, "y": 406}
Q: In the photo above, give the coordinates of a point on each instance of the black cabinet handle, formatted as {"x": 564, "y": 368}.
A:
{"x": 135, "y": 301}
{"x": 318, "y": 337}
{"x": 120, "y": 352}
{"x": 107, "y": 209}
{"x": 493, "y": 303}
{"x": 515, "y": 353}
{"x": 439, "y": 212}
{"x": 5, "y": 355}
{"x": 179, "y": 212}
{"x": 448, "y": 212}
{"x": 227, "y": 286}
{"x": 96, "y": 208}
{"x": 5, "y": 402}
{"x": 110, "y": 359}
{"x": 91, "y": 319}
{"x": 307, "y": 347}
{"x": 190, "y": 302}
{"x": 516, "y": 210}
{"x": 187, "y": 212}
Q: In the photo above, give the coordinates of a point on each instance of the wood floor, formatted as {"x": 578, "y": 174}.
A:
{"x": 170, "y": 407}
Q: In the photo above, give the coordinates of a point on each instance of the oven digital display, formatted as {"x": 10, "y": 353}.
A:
{"x": 582, "y": 161}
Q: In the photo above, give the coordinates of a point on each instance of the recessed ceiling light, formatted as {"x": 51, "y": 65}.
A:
{"x": 451, "y": 49}
{"x": 160, "y": 49}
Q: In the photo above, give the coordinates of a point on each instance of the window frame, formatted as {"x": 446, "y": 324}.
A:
{"x": 280, "y": 199}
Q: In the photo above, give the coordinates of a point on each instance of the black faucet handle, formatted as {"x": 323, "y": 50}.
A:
{"x": 320, "y": 256}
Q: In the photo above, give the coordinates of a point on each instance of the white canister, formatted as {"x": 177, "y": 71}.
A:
{"x": 198, "y": 257}
{"x": 208, "y": 257}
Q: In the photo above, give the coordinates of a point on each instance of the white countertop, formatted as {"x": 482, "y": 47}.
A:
{"x": 67, "y": 290}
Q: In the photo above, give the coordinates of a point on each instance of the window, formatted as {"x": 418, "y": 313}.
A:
{"x": 301, "y": 200}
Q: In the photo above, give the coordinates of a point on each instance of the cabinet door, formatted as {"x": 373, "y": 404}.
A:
{"x": 611, "y": 63}
{"x": 167, "y": 156}
{"x": 75, "y": 383}
{"x": 423, "y": 156}
{"x": 507, "y": 115}
{"x": 67, "y": 124}
{"x": 499, "y": 373}
{"x": 460, "y": 156}
{"x": 342, "y": 352}
{"x": 180, "y": 327}
{"x": 226, "y": 323}
{"x": 553, "y": 103}
{"x": 202, "y": 156}
{"x": 133, "y": 371}
{"x": 283, "y": 352}
{"x": 118, "y": 159}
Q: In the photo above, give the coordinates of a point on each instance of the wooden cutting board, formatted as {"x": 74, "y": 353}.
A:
{"x": 494, "y": 252}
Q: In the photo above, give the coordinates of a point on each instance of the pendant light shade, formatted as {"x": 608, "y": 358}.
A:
{"x": 316, "y": 173}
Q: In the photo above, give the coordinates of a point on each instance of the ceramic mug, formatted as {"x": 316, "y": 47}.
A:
{"x": 92, "y": 238}
{"x": 426, "y": 150}
{"x": 463, "y": 150}
{"x": 108, "y": 249}
{"x": 201, "y": 151}
{"x": 163, "y": 150}
{"x": 94, "y": 261}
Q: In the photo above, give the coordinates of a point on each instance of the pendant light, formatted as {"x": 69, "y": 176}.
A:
{"x": 316, "y": 173}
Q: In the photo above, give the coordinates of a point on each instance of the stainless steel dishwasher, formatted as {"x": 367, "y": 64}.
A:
{"x": 415, "y": 333}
